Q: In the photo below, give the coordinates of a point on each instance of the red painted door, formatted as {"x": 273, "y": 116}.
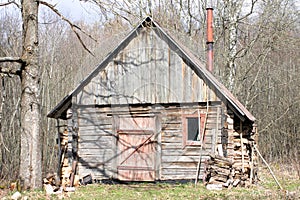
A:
{"x": 136, "y": 147}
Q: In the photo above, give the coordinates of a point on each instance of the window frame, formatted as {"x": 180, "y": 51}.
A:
{"x": 185, "y": 117}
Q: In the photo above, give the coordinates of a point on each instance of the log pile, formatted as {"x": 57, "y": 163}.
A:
{"x": 236, "y": 164}
{"x": 50, "y": 185}
{"x": 244, "y": 158}
{"x": 66, "y": 169}
{"x": 218, "y": 172}
{"x": 237, "y": 169}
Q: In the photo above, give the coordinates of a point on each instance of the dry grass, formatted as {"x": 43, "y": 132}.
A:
{"x": 265, "y": 189}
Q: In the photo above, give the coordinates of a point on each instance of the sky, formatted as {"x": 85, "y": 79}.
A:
{"x": 77, "y": 10}
{"x": 74, "y": 10}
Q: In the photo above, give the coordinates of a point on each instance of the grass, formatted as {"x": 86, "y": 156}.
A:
{"x": 265, "y": 189}
{"x": 176, "y": 191}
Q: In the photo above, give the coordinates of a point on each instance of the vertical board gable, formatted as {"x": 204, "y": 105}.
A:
{"x": 147, "y": 70}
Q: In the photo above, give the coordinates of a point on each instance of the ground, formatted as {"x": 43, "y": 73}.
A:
{"x": 265, "y": 189}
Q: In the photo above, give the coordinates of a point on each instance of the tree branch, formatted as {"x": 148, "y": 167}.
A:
{"x": 74, "y": 27}
{"x": 7, "y": 70}
{"x": 250, "y": 12}
{"x": 5, "y": 4}
{"x": 11, "y": 59}
{"x": 10, "y": 2}
{"x": 274, "y": 121}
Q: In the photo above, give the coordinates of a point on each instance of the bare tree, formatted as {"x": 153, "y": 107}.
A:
{"x": 29, "y": 72}
{"x": 30, "y": 172}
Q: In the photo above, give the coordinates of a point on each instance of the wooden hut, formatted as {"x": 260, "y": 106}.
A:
{"x": 150, "y": 111}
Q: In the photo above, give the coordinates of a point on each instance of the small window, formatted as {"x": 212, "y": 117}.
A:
{"x": 191, "y": 133}
{"x": 193, "y": 128}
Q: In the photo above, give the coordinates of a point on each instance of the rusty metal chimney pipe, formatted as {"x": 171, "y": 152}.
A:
{"x": 210, "y": 39}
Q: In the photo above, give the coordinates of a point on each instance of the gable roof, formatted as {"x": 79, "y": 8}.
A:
{"x": 182, "y": 51}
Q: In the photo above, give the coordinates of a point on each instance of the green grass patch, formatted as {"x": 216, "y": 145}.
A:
{"x": 265, "y": 189}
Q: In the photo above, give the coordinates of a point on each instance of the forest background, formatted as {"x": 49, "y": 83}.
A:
{"x": 256, "y": 56}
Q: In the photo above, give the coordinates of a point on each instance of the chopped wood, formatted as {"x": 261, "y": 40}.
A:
{"x": 220, "y": 158}
{"x": 214, "y": 186}
{"x": 236, "y": 182}
{"x": 220, "y": 170}
{"x": 234, "y": 170}
{"x": 244, "y": 140}
{"x": 49, "y": 189}
{"x": 228, "y": 183}
{"x": 222, "y": 179}
{"x": 69, "y": 189}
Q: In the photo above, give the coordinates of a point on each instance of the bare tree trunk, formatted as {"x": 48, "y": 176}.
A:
{"x": 30, "y": 160}
{"x": 232, "y": 51}
{"x": 232, "y": 11}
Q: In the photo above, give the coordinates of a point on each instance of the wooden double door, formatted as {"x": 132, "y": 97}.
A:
{"x": 137, "y": 148}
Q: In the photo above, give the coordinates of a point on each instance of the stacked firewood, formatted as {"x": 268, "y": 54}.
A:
{"x": 244, "y": 158}
{"x": 218, "y": 172}
{"x": 237, "y": 169}
{"x": 66, "y": 169}
{"x": 235, "y": 164}
{"x": 51, "y": 184}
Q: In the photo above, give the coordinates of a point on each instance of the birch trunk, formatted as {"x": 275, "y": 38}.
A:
{"x": 232, "y": 49}
{"x": 232, "y": 11}
{"x": 30, "y": 158}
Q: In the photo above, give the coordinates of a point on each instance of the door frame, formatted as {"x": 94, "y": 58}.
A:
{"x": 156, "y": 136}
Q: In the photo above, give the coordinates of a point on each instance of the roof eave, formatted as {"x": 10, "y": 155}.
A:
{"x": 67, "y": 101}
{"x": 60, "y": 108}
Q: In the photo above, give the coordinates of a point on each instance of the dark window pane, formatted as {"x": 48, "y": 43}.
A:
{"x": 193, "y": 128}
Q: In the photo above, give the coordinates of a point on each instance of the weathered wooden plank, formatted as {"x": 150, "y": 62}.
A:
{"x": 94, "y": 130}
{"x": 183, "y": 152}
{"x": 179, "y": 158}
{"x": 162, "y": 76}
{"x": 94, "y": 137}
{"x": 95, "y": 144}
{"x": 170, "y": 133}
{"x": 188, "y": 84}
{"x": 179, "y": 139}
{"x": 94, "y": 119}
{"x": 136, "y": 175}
{"x": 94, "y": 126}
{"x": 171, "y": 145}
{"x": 97, "y": 172}
{"x": 91, "y": 138}
{"x": 178, "y": 171}
{"x": 183, "y": 164}
{"x": 102, "y": 159}
{"x": 166, "y": 127}
{"x": 175, "y": 81}
{"x": 172, "y": 139}
{"x": 181, "y": 176}
{"x": 136, "y": 123}
{"x": 94, "y": 152}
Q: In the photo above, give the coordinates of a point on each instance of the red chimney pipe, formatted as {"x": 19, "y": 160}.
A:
{"x": 210, "y": 39}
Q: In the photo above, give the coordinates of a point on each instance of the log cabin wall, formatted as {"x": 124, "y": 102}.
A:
{"x": 98, "y": 154}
